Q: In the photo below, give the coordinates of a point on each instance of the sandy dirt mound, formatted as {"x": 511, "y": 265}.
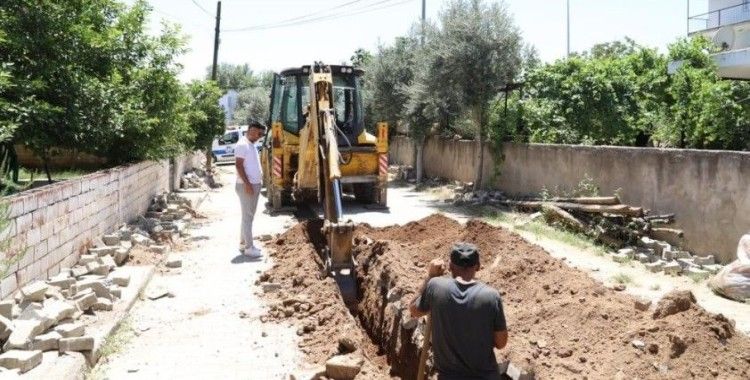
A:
{"x": 562, "y": 323}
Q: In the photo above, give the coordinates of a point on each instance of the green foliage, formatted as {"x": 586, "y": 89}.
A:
{"x": 594, "y": 99}
{"x": 705, "y": 112}
{"x": 252, "y": 104}
{"x": 619, "y": 93}
{"x": 205, "y": 116}
{"x": 387, "y": 76}
{"x": 239, "y": 77}
{"x": 89, "y": 76}
{"x": 361, "y": 58}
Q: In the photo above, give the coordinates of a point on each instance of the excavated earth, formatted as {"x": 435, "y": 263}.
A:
{"x": 562, "y": 323}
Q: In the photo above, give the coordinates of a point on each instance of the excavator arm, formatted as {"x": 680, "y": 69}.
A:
{"x": 338, "y": 232}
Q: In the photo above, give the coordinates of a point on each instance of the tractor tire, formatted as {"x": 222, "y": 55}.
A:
{"x": 364, "y": 192}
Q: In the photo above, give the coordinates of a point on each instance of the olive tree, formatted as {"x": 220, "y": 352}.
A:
{"x": 475, "y": 54}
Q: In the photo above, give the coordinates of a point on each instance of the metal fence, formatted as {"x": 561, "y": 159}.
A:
{"x": 720, "y": 17}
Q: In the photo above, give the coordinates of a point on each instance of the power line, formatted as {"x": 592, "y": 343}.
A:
{"x": 175, "y": 19}
{"x": 299, "y": 17}
{"x": 366, "y": 9}
{"x": 253, "y": 27}
{"x": 203, "y": 9}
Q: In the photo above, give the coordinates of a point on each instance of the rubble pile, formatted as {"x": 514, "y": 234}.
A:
{"x": 635, "y": 233}
{"x": 47, "y": 315}
{"x": 199, "y": 179}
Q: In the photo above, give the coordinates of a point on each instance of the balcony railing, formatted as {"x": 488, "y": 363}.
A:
{"x": 720, "y": 17}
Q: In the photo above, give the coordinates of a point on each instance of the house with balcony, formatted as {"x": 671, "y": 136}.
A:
{"x": 727, "y": 24}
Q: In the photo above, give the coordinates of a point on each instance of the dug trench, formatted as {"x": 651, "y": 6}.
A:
{"x": 562, "y": 323}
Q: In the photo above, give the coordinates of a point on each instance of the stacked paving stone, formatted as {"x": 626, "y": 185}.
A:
{"x": 660, "y": 256}
{"x": 44, "y": 315}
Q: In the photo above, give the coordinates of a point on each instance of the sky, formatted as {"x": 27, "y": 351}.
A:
{"x": 368, "y": 23}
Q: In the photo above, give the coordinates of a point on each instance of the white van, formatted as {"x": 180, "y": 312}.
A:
{"x": 223, "y": 147}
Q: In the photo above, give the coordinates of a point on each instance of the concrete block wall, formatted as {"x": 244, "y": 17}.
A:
{"x": 53, "y": 225}
{"x": 709, "y": 191}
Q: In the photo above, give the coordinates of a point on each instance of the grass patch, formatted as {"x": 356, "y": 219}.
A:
{"x": 622, "y": 278}
{"x": 540, "y": 228}
{"x": 112, "y": 345}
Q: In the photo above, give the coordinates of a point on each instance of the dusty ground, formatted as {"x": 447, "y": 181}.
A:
{"x": 564, "y": 324}
{"x": 212, "y": 327}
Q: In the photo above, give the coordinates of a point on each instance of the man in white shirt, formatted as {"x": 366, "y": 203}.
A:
{"x": 249, "y": 179}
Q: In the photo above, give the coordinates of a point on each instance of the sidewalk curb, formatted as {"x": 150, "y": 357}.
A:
{"x": 93, "y": 357}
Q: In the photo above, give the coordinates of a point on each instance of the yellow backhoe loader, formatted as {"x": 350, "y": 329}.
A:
{"x": 319, "y": 149}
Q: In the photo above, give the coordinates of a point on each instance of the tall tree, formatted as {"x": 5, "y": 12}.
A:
{"x": 234, "y": 77}
{"x": 205, "y": 116}
{"x": 361, "y": 58}
{"x": 252, "y": 104}
{"x": 477, "y": 52}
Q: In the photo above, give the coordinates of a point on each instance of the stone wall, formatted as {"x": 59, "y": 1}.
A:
{"x": 52, "y": 225}
{"x": 709, "y": 191}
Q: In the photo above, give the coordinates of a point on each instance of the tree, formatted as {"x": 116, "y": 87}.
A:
{"x": 361, "y": 58}
{"x": 252, "y": 104}
{"x": 234, "y": 77}
{"x": 89, "y": 77}
{"x": 705, "y": 112}
{"x": 476, "y": 53}
{"x": 386, "y": 75}
{"x": 205, "y": 116}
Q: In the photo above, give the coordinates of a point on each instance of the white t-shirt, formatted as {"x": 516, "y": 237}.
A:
{"x": 247, "y": 151}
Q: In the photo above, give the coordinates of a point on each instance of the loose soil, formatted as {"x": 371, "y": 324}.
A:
{"x": 562, "y": 323}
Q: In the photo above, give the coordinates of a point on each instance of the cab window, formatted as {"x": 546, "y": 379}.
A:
{"x": 345, "y": 102}
{"x": 290, "y": 109}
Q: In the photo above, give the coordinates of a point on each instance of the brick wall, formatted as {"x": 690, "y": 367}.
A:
{"x": 52, "y": 225}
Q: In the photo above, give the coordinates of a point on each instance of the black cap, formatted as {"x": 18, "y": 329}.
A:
{"x": 464, "y": 255}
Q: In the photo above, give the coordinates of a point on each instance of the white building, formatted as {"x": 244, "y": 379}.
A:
{"x": 727, "y": 23}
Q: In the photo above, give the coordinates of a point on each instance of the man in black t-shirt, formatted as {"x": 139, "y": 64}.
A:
{"x": 467, "y": 317}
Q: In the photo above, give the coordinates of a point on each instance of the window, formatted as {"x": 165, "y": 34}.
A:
{"x": 290, "y": 106}
{"x": 276, "y": 100}
{"x": 229, "y": 138}
{"x": 346, "y": 104}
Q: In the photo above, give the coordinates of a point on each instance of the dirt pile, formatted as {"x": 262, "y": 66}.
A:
{"x": 302, "y": 294}
{"x": 562, "y": 323}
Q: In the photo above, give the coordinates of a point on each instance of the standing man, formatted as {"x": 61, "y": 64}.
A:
{"x": 249, "y": 179}
{"x": 467, "y": 317}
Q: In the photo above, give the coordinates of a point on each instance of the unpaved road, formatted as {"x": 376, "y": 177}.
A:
{"x": 211, "y": 327}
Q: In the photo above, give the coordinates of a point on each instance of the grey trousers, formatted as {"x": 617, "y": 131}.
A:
{"x": 248, "y": 204}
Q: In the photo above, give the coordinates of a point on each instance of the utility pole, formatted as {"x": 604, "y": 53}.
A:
{"x": 688, "y": 17}
{"x": 213, "y": 70}
{"x": 568, "y": 24}
{"x": 424, "y": 17}
{"x": 216, "y": 40}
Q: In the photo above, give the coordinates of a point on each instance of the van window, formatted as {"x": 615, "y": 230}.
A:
{"x": 229, "y": 138}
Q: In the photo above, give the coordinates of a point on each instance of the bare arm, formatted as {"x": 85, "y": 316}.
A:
{"x": 436, "y": 268}
{"x": 501, "y": 339}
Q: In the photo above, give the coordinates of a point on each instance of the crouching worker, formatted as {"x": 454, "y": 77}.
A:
{"x": 467, "y": 317}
